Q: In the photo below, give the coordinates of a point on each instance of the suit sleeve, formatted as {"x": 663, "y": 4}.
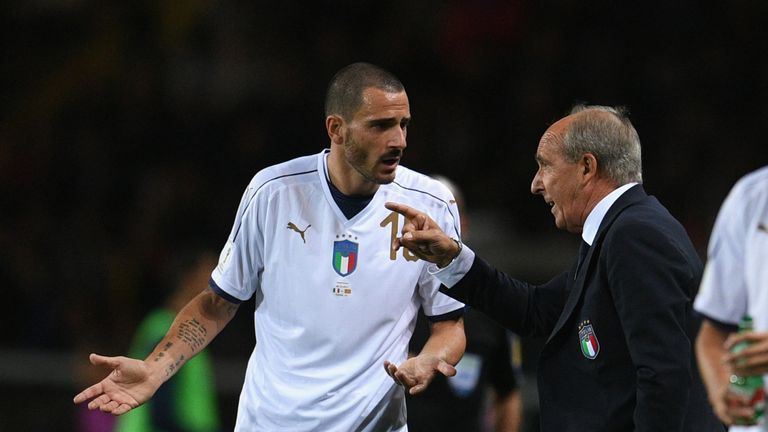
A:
{"x": 526, "y": 309}
{"x": 650, "y": 277}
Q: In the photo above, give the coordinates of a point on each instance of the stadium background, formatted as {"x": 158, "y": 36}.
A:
{"x": 130, "y": 129}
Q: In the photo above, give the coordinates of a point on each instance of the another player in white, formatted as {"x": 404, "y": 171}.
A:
{"x": 312, "y": 244}
{"x": 735, "y": 283}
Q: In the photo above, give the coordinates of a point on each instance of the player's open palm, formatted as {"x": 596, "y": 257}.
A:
{"x": 126, "y": 387}
{"x": 416, "y": 373}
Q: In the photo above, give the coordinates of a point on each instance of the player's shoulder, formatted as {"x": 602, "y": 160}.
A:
{"x": 753, "y": 184}
{"x": 748, "y": 196}
{"x": 422, "y": 187}
{"x": 300, "y": 169}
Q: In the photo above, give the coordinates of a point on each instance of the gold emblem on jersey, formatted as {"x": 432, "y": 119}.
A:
{"x": 293, "y": 226}
{"x": 394, "y": 220}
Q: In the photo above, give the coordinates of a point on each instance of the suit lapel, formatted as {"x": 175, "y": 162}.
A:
{"x": 579, "y": 280}
{"x": 577, "y": 283}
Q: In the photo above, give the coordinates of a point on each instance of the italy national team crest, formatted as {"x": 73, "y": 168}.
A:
{"x": 344, "y": 257}
{"x": 590, "y": 347}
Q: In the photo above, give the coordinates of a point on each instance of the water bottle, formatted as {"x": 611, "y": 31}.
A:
{"x": 748, "y": 387}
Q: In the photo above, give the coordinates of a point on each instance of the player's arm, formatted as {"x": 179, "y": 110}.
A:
{"x": 710, "y": 352}
{"x": 132, "y": 382}
{"x": 440, "y": 354}
{"x": 446, "y": 342}
{"x": 195, "y": 326}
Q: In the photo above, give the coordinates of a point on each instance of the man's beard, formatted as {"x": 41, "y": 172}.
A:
{"x": 356, "y": 157}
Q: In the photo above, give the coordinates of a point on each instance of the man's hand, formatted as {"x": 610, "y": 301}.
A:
{"x": 129, "y": 385}
{"x": 416, "y": 373}
{"x": 729, "y": 407}
{"x": 423, "y": 237}
{"x": 715, "y": 365}
{"x": 752, "y": 360}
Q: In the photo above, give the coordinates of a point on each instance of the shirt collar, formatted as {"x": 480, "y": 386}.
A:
{"x": 595, "y": 217}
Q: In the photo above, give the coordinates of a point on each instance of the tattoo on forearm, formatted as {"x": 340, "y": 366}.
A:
{"x": 174, "y": 366}
{"x": 193, "y": 333}
{"x": 161, "y": 354}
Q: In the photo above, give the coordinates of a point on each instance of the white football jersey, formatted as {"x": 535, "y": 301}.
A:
{"x": 333, "y": 300}
{"x": 735, "y": 280}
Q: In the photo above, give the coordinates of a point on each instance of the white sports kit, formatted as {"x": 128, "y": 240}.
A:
{"x": 333, "y": 300}
{"x": 735, "y": 280}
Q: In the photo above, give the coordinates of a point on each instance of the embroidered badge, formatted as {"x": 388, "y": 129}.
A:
{"x": 590, "y": 347}
{"x": 344, "y": 255}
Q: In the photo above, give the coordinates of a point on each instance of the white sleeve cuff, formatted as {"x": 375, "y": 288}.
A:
{"x": 451, "y": 274}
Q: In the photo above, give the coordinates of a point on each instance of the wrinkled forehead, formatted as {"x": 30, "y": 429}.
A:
{"x": 558, "y": 128}
{"x": 551, "y": 142}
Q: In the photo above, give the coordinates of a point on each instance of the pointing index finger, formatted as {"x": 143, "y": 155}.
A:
{"x": 403, "y": 209}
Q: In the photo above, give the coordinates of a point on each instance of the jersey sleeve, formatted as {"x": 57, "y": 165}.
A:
{"x": 434, "y": 302}
{"x": 723, "y": 292}
{"x": 236, "y": 277}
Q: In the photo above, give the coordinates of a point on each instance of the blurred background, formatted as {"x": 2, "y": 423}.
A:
{"x": 129, "y": 130}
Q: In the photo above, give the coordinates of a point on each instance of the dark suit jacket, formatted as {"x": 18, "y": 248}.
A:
{"x": 618, "y": 354}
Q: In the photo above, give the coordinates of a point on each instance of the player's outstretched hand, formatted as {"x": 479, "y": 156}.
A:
{"x": 416, "y": 373}
{"x": 423, "y": 237}
{"x": 126, "y": 387}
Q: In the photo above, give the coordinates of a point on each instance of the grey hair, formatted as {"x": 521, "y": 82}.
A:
{"x": 610, "y": 138}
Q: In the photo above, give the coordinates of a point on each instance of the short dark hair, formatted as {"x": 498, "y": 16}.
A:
{"x": 345, "y": 91}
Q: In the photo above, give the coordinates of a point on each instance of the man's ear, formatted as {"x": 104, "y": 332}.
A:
{"x": 334, "y": 124}
{"x": 589, "y": 165}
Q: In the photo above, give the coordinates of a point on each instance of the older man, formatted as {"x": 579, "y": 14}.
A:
{"x": 618, "y": 354}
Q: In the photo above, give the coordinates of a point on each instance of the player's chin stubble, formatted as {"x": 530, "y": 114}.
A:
{"x": 357, "y": 158}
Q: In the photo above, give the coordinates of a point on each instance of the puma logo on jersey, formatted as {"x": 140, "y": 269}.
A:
{"x": 452, "y": 201}
{"x": 762, "y": 227}
{"x": 293, "y": 226}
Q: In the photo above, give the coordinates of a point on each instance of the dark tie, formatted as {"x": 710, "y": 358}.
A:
{"x": 582, "y": 254}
